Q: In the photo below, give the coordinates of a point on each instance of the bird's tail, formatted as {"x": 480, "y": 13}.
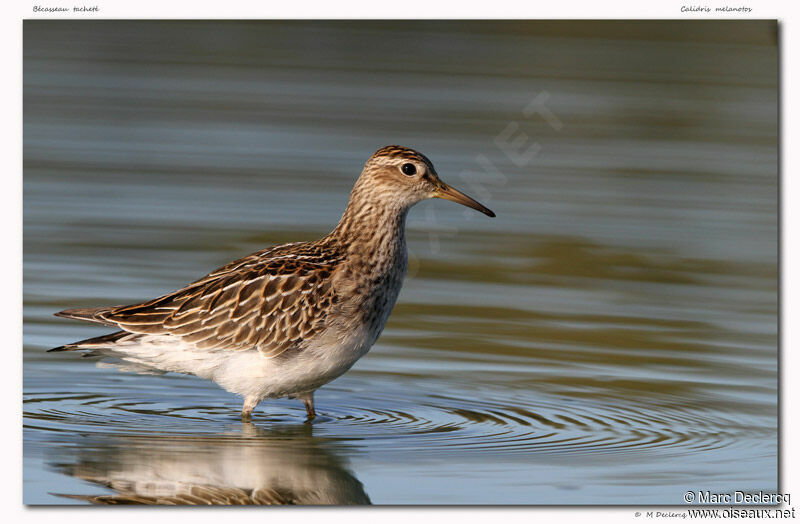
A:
{"x": 88, "y": 314}
{"x": 117, "y": 350}
{"x": 93, "y": 343}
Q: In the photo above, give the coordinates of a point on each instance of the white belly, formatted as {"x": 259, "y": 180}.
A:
{"x": 250, "y": 374}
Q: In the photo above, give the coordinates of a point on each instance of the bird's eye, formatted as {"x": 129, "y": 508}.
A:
{"x": 409, "y": 169}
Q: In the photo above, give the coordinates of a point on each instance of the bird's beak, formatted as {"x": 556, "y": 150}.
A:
{"x": 448, "y": 193}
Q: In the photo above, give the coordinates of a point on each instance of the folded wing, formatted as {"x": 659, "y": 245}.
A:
{"x": 271, "y": 300}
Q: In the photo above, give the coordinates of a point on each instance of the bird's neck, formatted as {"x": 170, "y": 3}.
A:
{"x": 371, "y": 236}
{"x": 372, "y": 230}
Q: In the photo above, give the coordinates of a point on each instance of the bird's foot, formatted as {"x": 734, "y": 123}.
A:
{"x": 247, "y": 409}
{"x": 308, "y": 402}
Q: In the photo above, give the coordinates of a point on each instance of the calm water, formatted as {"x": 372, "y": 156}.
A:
{"x": 609, "y": 338}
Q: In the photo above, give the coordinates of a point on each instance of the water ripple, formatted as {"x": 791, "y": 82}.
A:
{"x": 422, "y": 422}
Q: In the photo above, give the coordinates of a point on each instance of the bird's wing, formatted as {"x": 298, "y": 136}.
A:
{"x": 272, "y": 300}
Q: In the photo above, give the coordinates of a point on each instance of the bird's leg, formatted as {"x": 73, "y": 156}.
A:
{"x": 250, "y": 404}
{"x": 308, "y": 402}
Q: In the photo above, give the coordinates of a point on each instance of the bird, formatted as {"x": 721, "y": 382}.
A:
{"x": 288, "y": 319}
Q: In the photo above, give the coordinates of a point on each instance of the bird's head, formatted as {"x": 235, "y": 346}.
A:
{"x": 405, "y": 177}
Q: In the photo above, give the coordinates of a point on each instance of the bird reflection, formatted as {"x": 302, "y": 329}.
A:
{"x": 248, "y": 467}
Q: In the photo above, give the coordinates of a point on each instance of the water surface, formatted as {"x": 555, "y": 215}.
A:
{"x": 609, "y": 338}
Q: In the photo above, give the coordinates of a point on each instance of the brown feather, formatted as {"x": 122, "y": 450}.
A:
{"x": 269, "y": 300}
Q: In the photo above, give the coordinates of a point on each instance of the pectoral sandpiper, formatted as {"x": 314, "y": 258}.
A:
{"x": 287, "y": 319}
